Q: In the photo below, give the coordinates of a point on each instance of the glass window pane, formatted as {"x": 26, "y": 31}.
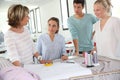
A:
{"x": 116, "y": 8}
{"x": 38, "y": 20}
{"x": 64, "y": 12}
{"x": 32, "y": 22}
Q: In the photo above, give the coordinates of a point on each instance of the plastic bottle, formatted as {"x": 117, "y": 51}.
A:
{"x": 88, "y": 59}
{"x": 95, "y": 57}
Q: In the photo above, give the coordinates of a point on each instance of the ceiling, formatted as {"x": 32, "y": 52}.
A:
{"x": 4, "y": 4}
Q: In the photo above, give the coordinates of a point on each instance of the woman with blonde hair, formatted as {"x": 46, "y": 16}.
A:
{"x": 107, "y": 30}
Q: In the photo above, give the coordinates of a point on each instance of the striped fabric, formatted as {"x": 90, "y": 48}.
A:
{"x": 19, "y": 46}
{"x": 9, "y": 73}
{"x": 4, "y": 63}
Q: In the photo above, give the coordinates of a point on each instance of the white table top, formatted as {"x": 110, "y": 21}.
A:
{"x": 59, "y": 70}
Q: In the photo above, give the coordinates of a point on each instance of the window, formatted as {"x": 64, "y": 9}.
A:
{"x": 38, "y": 20}
{"x": 32, "y": 22}
{"x": 64, "y": 13}
{"x": 35, "y": 21}
{"x": 115, "y": 8}
{"x": 68, "y": 10}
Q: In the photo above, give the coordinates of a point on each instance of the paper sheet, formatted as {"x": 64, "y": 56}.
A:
{"x": 58, "y": 70}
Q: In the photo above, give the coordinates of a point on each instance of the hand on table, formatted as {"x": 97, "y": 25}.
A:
{"x": 46, "y": 61}
{"x": 64, "y": 57}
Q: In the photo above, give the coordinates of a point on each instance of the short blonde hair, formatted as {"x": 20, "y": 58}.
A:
{"x": 16, "y": 13}
{"x": 105, "y": 3}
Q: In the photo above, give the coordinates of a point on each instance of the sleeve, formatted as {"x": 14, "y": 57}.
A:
{"x": 34, "y": 49}
{"x": 39, "y": 45}
{"x": 33, "y": 44}
{"x": 94, "y": 31}
{"x": 72, "y": 29}
{"x": 11, "y": 49}
{"x": 63, "y": 46}
{"x": 94, "y": 19}
{"x": 117, "y": 36}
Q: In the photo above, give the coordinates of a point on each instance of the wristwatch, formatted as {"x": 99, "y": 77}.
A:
{"x": 39, "y": 58}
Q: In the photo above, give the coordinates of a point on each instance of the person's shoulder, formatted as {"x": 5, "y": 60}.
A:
{"x": 8, "y": 33}
{"x": 43, "y": 35}
{"x": 71, "y": 17}
{"x": 115, "y": 18}
{"x": 89, "y": 15}
{"x": 96, "y": 24}
{"x": 59, "y": 35}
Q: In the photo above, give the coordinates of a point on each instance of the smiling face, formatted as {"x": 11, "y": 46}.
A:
{"x": 99, "y": 10}
{"x": 52, "y": 27}
{"x": 78, "y": 8}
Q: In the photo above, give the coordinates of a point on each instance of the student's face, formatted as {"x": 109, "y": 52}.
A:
{"x": 78, "y": 8}
{"x": 25, "y": 20}
{"x": 99, "y": 10}
{"x": 52, "y": 26}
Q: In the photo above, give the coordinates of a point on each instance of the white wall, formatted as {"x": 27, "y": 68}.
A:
{"x": 3, "y": 22}
{"x": 90, "y": 4}
{"x": 3, "y": 19}
{"x": 52, "y": 9}
{"x": 47, "y": 10}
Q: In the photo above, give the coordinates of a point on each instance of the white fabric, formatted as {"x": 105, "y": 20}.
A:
{"x": 108, "y": 40}
{"x": 58, "y": 70}
{"x": 19, "y": 46}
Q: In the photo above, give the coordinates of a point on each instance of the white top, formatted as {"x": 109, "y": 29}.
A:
{"x": 19, "y": 46}
{"x": 108, "y": 40}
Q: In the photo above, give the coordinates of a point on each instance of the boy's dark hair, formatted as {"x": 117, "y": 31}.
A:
{"x": 79, "y": 2}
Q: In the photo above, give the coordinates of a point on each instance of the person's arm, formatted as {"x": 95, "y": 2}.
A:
{"x": 39, "y": 58}
{"x": 64, "y": 54}
{"x": 74, "y": 35}
{"x": 93, "y": 33}
{"x": 12, "y": 52}
{"x": 75, "y": 42}
{"x": 64, "y": 57}
{"x": 17, "y": 63}
{"x": 93, "y": 19}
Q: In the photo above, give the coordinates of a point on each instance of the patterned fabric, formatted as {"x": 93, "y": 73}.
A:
{"x": 10, "y": 74}
{"x": 20, "y": 46}
{"x": 4, "y": 63}
{"x": 104, "y": 76}
{"x": 109, "y": 69}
